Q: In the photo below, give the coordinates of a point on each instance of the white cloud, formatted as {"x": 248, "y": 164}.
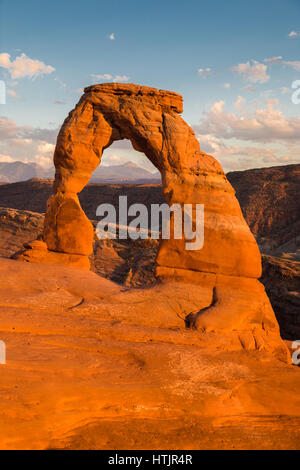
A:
{"x": 20, "y": 141}
{"x": 10, "y": 131}
{"x": 108, "y": 76}
{"x": 23, "y": 66}
{"x": 5, "y": 60}
{"x": 295, "y": 64}
{"x": 204, "y": 72}
{"x": 267, "y": 124}
{"x": 294, "y": 34}
{"x": 104, "y": 76}
{"x": 255, "y": 73}
{"x": 227, "y": 85}
{"x": 27, "y": 143}
{"x": 44, "y": 155}
{"x": 6, "y": 158}
{"x": 240, "y": 104}
{"x": 214, "y": 145}
{"x": 112, "y": 159}
{"x": 274, "y": 60}
{"x": 120, "y": 78}
{"x": 123, "y": 144}
{"x": 112, "y": 36}
{"x": 8, "y": 128}
{"x": 234, "y": 156}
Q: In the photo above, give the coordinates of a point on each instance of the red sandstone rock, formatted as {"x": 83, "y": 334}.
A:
{"x": 149, "y": 118}
{"x": 63, "y": 217}
{"x": 91, "y": 365}
{"x": 269, "y": 198}
{"x": 229, "y": 263}
{"x": 41, "y": 255}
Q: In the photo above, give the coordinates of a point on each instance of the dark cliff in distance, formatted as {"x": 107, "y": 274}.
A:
{"x": 270, "y": 201}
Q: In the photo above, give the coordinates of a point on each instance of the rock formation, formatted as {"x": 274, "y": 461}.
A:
{"x": 131, "y": 263}
{"x": 281, "y": 278}
{"x": 91, "y": 365}
{"x": 269, "y": 199}
{"x": 229, "y": 264}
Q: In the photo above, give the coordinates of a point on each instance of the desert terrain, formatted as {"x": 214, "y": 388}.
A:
{"x": 103, "y": 359}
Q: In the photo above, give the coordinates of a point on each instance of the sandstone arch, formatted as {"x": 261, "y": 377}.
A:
{"x": 150, "y": 119}
{"x": 229, "y": 263}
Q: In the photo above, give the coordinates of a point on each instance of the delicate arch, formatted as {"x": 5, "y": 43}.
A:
{"x": 150, "y": 119}
{"x": 225, "y": 269}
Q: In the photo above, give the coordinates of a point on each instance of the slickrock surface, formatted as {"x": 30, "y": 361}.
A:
{"x": 132, "y": 263}
{"x": 18, "y": 227}
{"x": 91, "y": 365}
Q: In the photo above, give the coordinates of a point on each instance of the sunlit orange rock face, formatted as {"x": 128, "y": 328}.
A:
{"x": 150, "y": 119}
{"x": 228, "y": 265}
{"x": 93, "y": 366}
{"x": 193, "y": 361}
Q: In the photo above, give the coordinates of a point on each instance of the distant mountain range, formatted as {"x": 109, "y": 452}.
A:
{"x": 127, "y": 173}
{"x": 11, "y": 172}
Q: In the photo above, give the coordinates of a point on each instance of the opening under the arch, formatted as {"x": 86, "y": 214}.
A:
{"x": 123, "y": 171}
{"x": 120, "y": 163}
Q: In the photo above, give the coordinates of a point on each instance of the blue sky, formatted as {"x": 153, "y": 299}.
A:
{"x": 234, "y": 63}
